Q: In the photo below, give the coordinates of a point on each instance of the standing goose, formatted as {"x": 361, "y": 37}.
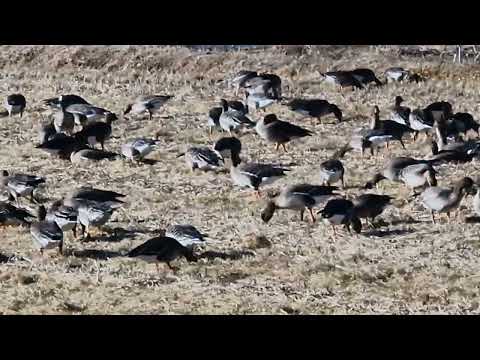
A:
{"x": 214, "y": 119}
{"x": 331, "y": 171}
{"x": 111, "y": 198}
{"x": 63, "y": 121}
{"x": 161, "y": 249}
{"x": 13, "y": 216}
{"x": 92, "y": 113}
{"x": 251, "y": 175}
{"x": 445, "y": 199}
{"x": 366, "y": 76}
{"x": 389, "y": 127}
{"x": 279, "y": 132}
{"x": 420, "y": 121}
{"x": 93, "y": 214}
{"x": 341, "y": 212}
{"x": 138, "y": 149}
{"x": 418, "y": 176}
{"x": 21, "y": 185}
{"x": 342, "y": 78}
{"x": 61, "y": 145}
{"x": 369, "y": 206}
{"x": 202, "y": 158}
{"x": 462, "y": 123}
{"x": 97, "y": 132}
{"x": 64, "y": 216}
{"x": 233, "y": 120}
{"x": 15, "y": 104}
{"x": 186, "y": 235}
{"x": 149, "y": 103}
{"x": 396, "y": 74}
{"x": 241, "y": 78}
{"x": 64, "y": 101}
{"x": 315, "y": 108}
{"x": 400, "y": 114}
{"x": 299, "y": 197}
{"x": 46, "y": 234}
{"x": 258, "y": 101}
{"x": 392, "y": 169}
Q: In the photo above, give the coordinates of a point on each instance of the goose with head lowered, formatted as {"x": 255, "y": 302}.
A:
{"x": 252, "y": 175}
{"x": 315, "y": 108}
{"x": 298, "y": 197}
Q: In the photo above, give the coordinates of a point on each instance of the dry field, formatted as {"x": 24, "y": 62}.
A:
{"x": 407, "y": 266}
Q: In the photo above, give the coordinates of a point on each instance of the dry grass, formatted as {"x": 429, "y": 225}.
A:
{"x": 285, "y": 267}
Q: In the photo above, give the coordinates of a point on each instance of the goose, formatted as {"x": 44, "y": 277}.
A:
{"x": 396, "y": 74}
{"x": 92, "y": 113}
{"x": 161, "y": 249}
{"x": 446, "y": 156}
{"x": 341, "y": 212}
{"x": 13, "y": 216}
{"x": 445, "y": 199}
{"x": 137, "y": 149}
{"x": 233, "y": 120}
{"x": 392, "y": 170}
{"x": 461, "y": 122}
{"x": 418, "y": 176}
{"x": 97, "y": 132}
{"x": 64, "y": 101}
{"x": 21, "y": 185}
{"x": 298, "y": 197}
{"x": 111, "y": 198}
{"x": 369, "y": 206}
{"x": 64, "y": 216}
{"x": 342, "y": 78}
{"x": 84, "y": 153}
{"x": 64, "y": 122}
{"x": 214, "y": 119}
{"x": 46, "y": 234}
{"x": 241, "y": 78}
{"x": 269, "y": 85}
{"x": 365, "y": 76}
{"x": 332, "y": 171}
{"x": 93, "y": 214}
{"x": 202, "y": 158}
{"x": 315, "y": 108}
{"x": 46, "y": 132}
{"x": 251, "y": 175}
{"x": 389, "y": 127}
{"x": 258, "y": 101}
{"x": 60, "y": 145}
{"x": 279, "y": 132}
{"x": 186, "y": 235}
{"x": 15, "y": 104}
{"x": 149, "y": 103}
{"x": 439, "y": 110}
{"x": 400, "y": 114}
{"x": 420, "y": 121}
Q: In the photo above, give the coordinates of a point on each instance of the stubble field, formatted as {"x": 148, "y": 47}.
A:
{"x": 286, "y": 266}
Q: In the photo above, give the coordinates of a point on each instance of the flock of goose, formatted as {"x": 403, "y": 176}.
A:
{"x": 76, "y": 127}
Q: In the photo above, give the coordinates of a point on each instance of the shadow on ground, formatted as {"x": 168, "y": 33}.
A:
{"x": 231, "y": 255}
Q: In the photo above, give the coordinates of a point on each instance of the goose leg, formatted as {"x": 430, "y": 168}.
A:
{"x": 311, "y": 215}
{"x": 277, "y": 146}
{"x": 334, "y": 232}
{"x": 284, "y": 148}
{"x": 60, "y": 248}
{"x": 403, "y": 145}
{"x": 301, "y": 214}
{"x": 433, "y": 216}
{"x": 150, "y": 114}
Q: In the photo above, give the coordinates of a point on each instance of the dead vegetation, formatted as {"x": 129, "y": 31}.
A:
{"x": 285, "y": 267}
